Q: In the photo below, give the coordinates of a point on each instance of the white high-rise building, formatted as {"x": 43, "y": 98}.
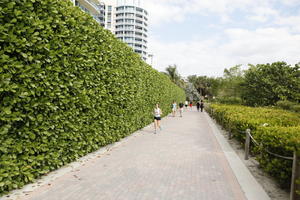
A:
{"x": 94, "y": 7}
{"x": 127, "y": 19}
{"x": 131, "y": 25}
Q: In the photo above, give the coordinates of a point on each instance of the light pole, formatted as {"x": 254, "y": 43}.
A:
{"x": 151, "y": 56}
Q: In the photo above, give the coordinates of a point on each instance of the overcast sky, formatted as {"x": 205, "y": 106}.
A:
{"x": 205, "y": 36}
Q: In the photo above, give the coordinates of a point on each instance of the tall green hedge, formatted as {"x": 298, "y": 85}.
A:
{"x": 67, "y": 87}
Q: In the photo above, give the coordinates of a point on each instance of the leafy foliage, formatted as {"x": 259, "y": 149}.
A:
{"x": 275, "y": 129}
{"x": 260, "y": 85}
{"x": 201, "y": 83}
{"x": 288, "y": 105}
{"x": 67, "y": 87}
{"x": 172, "y": 73}
{"x": 228, "y": 100}
{"x": 265, "y": 84}
{"x": 221, "y": 88}
{"x": 191, "y": 93}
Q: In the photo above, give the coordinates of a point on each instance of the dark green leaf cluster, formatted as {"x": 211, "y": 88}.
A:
{"x": 67, "y": 87}
{"x": 276, "y": 130}
{"x": 221, "y": 88}
{"x": 265, "y": 84}
{"x": 288, "y": 105}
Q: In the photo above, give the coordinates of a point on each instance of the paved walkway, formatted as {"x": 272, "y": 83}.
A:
{"x": 184, "y": 161}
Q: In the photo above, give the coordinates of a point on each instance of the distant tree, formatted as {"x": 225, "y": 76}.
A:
{"x": 233, "y": 72}
{"x": 232, "y": 81}
{"x": 201, "y": 83}
{"x": 227, "y": 86}
{"x": 173, "y": 74}
{"x": 191, "y": 92}
{"x": 265, "y": 84}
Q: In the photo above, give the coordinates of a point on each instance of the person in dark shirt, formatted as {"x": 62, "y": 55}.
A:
{"x": 181, "y": 108}
{"x": 201, "y": 105}
{"x": 198, "y": 106}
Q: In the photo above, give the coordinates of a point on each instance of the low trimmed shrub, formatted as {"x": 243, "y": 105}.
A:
{"x": 280, "y": 140}
{"x": 276, "y": 129}
{"x": 67, "y": 87}
{"x": 296, "y": 108}
{"x": 229, "y": 100}
{"x": 287, "y": 105}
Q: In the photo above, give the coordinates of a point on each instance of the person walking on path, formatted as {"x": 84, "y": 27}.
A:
{"x": 191, "y": 105}
{"x": 157, "y": 117}
{"x": 201, "y": 105}
{"x": 186, "y": 104}
{"x": 180, "y": 108}
{"x": 174, "y": 108}
{"x": 198, "y": 106}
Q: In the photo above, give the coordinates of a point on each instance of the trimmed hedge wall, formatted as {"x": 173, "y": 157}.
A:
{"x": 275, "y": 129}
{"x": 68, "y": 87}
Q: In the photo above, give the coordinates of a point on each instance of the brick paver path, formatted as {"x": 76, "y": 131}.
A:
{"x": 182, "y": 162}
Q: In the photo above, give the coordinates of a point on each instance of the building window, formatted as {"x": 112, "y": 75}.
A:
{"x": 120, "y": 8}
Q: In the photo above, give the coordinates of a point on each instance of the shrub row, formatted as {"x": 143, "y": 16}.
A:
{"x": 276, "y": 130}
{"x": 67, "y": 87}
{"x": 228, "y": 100}
{"x": 288, "y": 105}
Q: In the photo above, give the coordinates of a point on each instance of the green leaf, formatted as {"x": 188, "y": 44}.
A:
{"x": 7, "y": 110}
{"x": 24, "y": 55}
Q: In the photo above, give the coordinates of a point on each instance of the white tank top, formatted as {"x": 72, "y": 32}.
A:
{"x": 157, "y": 112}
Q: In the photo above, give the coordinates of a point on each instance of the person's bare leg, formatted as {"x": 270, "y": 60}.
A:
{"x": 155, "y": 125}
{"x": 158, "y": 124}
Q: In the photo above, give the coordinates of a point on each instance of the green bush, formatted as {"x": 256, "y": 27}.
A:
{"x": 67, "y": 88}
{"x": 280, "y": 140}
{"x": 266, "y": 84}
{"x": 276, "y": 129}
{"x": 229, "y": 100}
{"x": 287, "y": 105}
{"x": 296, "y": 108}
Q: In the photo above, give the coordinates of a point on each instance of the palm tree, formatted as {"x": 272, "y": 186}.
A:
{"x": 171, "y": 71}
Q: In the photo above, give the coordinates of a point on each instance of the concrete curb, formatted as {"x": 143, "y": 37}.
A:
{"x": 252, "y": 189}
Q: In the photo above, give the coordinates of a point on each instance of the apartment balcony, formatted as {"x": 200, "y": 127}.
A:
{"x": 125, "y": 17}
{"x": 140, "y": 11}
{"x": 128, "y": 40}
{"x": 138, "y": 48}
{"x": 138, "y": 22}
{"x": 138, "y": 34}
{"x": 124, "y": 23}
{"x": 139, "y": 38}
{"x": 139, "y": 17}
{"x": 139, "y": 31}
{"x": 139, "y": 26}
{"x": 124, "y": 35}
{"x": 125, "y": 11}
{"x": 124, "y": 29}
{"x": 90, "y": 6}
